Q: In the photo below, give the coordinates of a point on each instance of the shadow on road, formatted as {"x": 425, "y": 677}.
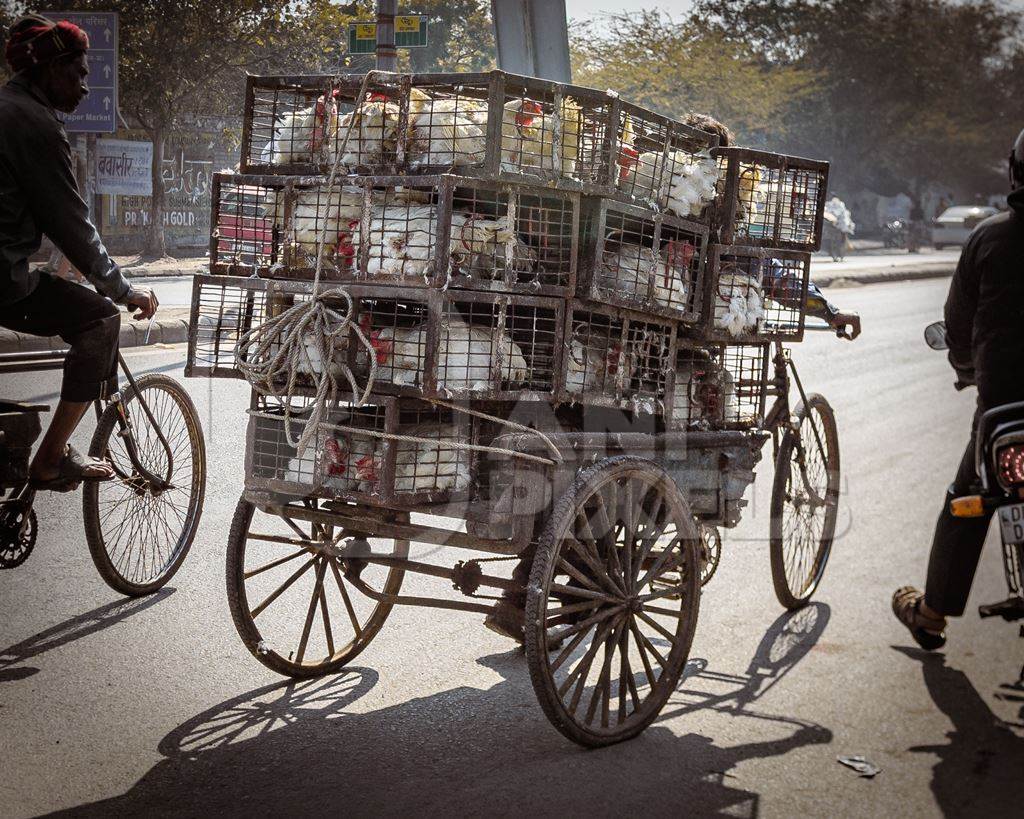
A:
{"x": 980, "y": 771}
{"x": 75, "y": 628}
{"x": 316, "y": 747}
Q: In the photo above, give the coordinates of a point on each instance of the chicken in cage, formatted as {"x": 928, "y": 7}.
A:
{"x": 306, "y": 135}
{"x": 598, "y": 361}
{"x": 468, "y": 355}
{"x": 433, "y": 464}
{"x": 640, "y": 274}
{"x": 704, "y": 394}
{"x": 683, "y": 182}
{"x": 739, "y": 301}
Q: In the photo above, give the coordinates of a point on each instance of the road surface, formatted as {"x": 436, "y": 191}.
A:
{"x": 111, "y": 707}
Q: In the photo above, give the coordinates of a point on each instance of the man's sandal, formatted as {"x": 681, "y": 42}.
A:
{"x": 71, "y": 472}
{"x": 928, "y": 632}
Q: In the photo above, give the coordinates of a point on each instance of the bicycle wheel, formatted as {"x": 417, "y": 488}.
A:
{"x": 805, "y": 502}
{"x": 138, "y": 536}
{"x": 269, "y": 580}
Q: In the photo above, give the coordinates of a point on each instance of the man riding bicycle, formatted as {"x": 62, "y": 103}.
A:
{"x": 984, "y": 320}
{"x": 39, "y": 195}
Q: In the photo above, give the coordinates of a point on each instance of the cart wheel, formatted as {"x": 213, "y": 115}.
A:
{"x": 139, "y": 538}
{"x": 710, "y": 552}
{"x": 606, "y": 636}
{"x": 805, "y": 502}
{"x": 282, "y": 578}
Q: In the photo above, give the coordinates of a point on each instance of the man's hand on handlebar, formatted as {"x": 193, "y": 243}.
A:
{"x": 846, "y": 324}
{"x": 144, "y": 300}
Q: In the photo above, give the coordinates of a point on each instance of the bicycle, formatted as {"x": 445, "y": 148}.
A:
{"x": 140, "y": 525}
{"x": 805, "y": 491}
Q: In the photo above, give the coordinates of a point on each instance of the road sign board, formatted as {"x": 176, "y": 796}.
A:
{"x": 410, "y": 32}
{"x": 98, "y": 112}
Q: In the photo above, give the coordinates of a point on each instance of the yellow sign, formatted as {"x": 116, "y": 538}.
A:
{"x": 407, "y": 23}
{"x": 366, "y": 31}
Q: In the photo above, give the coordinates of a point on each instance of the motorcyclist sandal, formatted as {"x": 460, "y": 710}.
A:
{"x": 928, "y": 632}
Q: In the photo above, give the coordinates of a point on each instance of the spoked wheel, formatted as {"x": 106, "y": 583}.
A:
{"x": 139, "y": 534}
{"x": 612, "y": 601}
{"x": 18, "y": 530}
{"x": 296, "y": 604}
{"x": 805, "y": 502}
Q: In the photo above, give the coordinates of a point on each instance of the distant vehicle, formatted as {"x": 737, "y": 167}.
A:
{"x": 955, "y": 224}
{"x": 243, "y": 232}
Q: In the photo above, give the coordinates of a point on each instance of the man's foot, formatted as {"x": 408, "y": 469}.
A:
{"x": 927, "y": 629}
{"x": 507, "y": 619}
{"x": 71, "y": 470}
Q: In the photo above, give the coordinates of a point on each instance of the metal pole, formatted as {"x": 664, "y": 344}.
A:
{"x": 387, "y": 54}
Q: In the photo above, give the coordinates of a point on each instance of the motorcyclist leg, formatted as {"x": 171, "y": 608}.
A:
{"x": 956, "y": 546}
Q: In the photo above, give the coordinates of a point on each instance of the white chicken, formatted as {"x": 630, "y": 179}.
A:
{"x": 686, "y": 183}
{"x": 308, "y": 135}
{"x": 465, "y": 356}
{"x": 531, "y": 143}
{"x": 433, "y": 465}
{"x": 704, "y": 393}
{"x": 403, "y": 240}
{"x": 595, "y": 362}
{"x": 341, "y": 460}
{"x": 627, "y": 271}
{"x": 374, "y": 132}
{"x": 739, "y": 303}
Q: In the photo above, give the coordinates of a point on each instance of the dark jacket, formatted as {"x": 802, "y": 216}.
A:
{"x": 38, "y": 194}
{"x": 985, "y": 306}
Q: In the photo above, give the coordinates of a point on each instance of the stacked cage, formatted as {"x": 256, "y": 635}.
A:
{"x": 498, "y": 242}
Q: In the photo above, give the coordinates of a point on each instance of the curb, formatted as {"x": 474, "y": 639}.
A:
{"x": 168, "y": 331}
{"x": 177, "y": 272}
{"x": 933, "y": 271}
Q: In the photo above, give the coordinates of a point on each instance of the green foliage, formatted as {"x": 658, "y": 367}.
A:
{"x": 908, "y": 92}
{"x": 681, "y": 66}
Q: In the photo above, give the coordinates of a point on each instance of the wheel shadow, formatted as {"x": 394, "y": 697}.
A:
{"x": 75, "y": 628}
{"x": 980, "y": 771}
{"x": 317, "y": 747}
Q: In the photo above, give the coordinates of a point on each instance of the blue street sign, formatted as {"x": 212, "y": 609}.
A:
{"x": 98, "y": 112}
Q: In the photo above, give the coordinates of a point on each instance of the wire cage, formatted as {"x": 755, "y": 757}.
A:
{"x": 502, "y": 237}
{"x": 355, "y": 455}
{"x": 223, "y": 310}
{"x": 770, "y": 200}
{"x": 661, "y": 163}
{"x": 452, "y": 344}
{"x": 618, "y": 358}
{"x": 424, "y": 341}
{"x": 756, "y": 294}
{"x": 644, "y": 261}
{"x": 485, "y": 124}
{"x": 720, "y": 386}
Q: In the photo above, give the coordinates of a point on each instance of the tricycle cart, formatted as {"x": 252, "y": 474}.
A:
{"x": 504, "y": 343}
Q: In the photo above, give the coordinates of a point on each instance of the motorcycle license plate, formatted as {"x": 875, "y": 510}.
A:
{"x": 1011, "y": 522}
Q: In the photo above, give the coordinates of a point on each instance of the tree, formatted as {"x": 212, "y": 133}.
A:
{"x": 909, "y": 93}
{"x": 677, "y": 67}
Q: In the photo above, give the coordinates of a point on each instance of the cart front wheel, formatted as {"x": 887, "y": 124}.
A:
{"x": 612, "y": 601}
{"x": 294, "y": 589}
{"x": 805, "y": 502}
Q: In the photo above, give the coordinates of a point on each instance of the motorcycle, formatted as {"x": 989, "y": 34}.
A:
{"x": 999, "y": 460}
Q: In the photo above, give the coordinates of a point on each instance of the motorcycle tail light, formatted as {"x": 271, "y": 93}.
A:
{"x": 1010, "y": 465}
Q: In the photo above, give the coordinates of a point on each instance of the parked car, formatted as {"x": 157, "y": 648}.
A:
{"x": 244, "y": 234}
{"x": 954, "y": 225}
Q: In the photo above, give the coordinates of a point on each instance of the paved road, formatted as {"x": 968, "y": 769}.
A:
{"x": 111, "y": 707}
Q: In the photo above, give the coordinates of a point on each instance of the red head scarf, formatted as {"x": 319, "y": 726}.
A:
{"x": 35, "y": 40}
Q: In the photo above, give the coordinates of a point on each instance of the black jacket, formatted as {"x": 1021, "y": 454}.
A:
{"x": 38, "y": 195}
{"x": 985, "y": 306}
